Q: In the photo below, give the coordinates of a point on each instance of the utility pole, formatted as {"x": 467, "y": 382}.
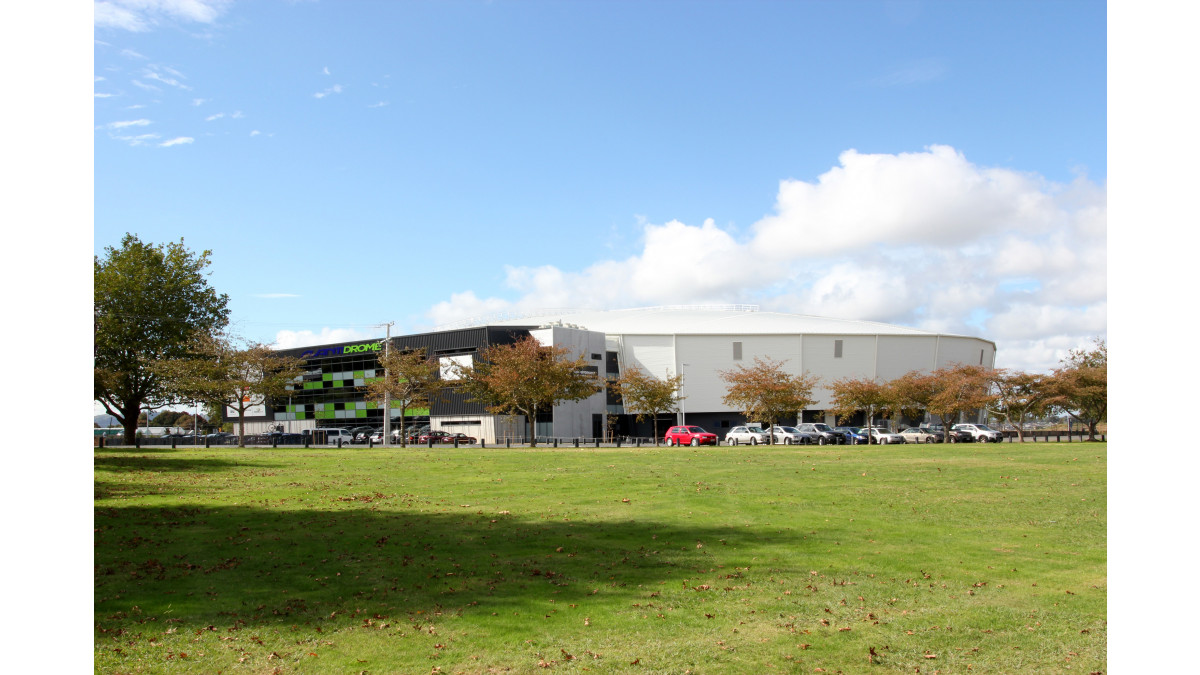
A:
{"x": 387, "y": 396}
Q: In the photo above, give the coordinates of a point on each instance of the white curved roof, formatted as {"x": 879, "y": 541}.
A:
{"x": 706, "y": 320}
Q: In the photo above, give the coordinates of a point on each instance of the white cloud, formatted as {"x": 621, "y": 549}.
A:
{"x": 128, "y": 123}
{"x": 199, "y": 101}
{"x": 286, "y": 339}
{"x": 144, "y": 15}
{"x": 925, "y": 239}
{"x": 256, "y": 132}
{"x": 181, "y": 140}
{"x": 217, "y": 116}
{"x": 100, "y": 95}
{"x": 335, "y": 89}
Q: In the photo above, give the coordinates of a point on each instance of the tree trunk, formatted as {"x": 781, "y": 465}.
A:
{"x": 130, "y": 414}
{"x": 533, "y": 428}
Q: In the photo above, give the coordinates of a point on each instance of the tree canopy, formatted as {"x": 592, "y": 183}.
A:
{"x": 410, "y": 380}
{"x": 220, "y": 371}
{"x": 851, "y": 394}
{"x": 526, "y": 378}
{"x": 1019, "y": 396}
{"x": 149, "y": 301}
{"x": 951, "y": 391}
{"x": 767, "y": 392}
{"x": 1079, "y": 387}
{"x": 644, "y": 395}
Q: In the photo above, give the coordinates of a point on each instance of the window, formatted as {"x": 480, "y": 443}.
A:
{"x": 737, "y": 351}
{"x": 837, "y": 349}
{"x": 981, "y": 357}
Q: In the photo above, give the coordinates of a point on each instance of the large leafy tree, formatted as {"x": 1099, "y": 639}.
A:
{"x": 644, "y": 395}
{"x": 149, "y": 301}
{"x": 525, "y": 378}
{"x": 1079, "y": 387}
{"x": 410, "y": 380}
{"x": 767, "y": 392}
{"x": 220, "y": 370}
{"x": 851, "y": 394}
{"x": 1019, "y": 396}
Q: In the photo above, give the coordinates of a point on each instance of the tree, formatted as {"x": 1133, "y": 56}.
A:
{"x": 410, "y": 381}
{"x": 148, "y": 302}
{"x": 767, "y": 392}
{"x": 643, "y": 394}
{"x": 219, "y": 371}
{"x": 1079, "y": 387}
{"x": 1019, "y": 396}
{"x": 526, "y": 378}
{"x": 951, "y": 391}
{"x": 906, "y": 396}
{"x": 849, "y": 395}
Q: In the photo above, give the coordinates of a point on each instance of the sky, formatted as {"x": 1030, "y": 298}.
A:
{"x": 940, "y": 165}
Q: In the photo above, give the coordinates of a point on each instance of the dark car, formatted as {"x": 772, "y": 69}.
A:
{"x": 361, "y": 434}
{"x": 689, "y": 435}
{"x": 824, "y": 433}
{"x": 436, "y": 437}
{"x": 853, "y": 435}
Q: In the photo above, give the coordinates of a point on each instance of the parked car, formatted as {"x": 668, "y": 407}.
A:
{"x": 952, "y": 436}
{"x": 916, "y": 435}
{"x": 689, "y": 435}
{"x": 462, "y": 438}
{"x": 882, "y": 436}
{"x": 415, "y": 433}
{"x": 377, "y": 437}
{"x": 824, "y": 433}
{"x": 332, "y": 436}
{"x": 851, "y": 434}
{"x": 361, "y": 434}
{"x": 792, "y": 436}
{"x": 745, "y": 436}
{"x": 980, "y": 433}
{"x": 437, "y": 436}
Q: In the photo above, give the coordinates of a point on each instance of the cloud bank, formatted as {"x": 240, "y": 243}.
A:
{"x": 924, "y": 239}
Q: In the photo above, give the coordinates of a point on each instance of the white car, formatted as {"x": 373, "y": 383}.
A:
{"x": 982, "y": 433}
{"x": 916, "y": 435}
{"x": 881, "y": 436}
{"x": 745, "y": 436}
{"x": 792, "y": 436}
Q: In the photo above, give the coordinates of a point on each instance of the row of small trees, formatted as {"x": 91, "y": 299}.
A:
{"x": 160, "y": 340}
{"x": 767, "y": 392}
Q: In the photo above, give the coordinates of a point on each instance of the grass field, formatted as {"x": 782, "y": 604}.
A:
{"x": 952, "y": 559}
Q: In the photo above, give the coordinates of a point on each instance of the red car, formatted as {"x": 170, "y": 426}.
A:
{"x": 689, "y": 436}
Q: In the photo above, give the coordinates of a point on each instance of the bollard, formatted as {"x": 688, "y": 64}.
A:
{"x": 483, "y": 443}
{"x": 576, "y": 442}
{"x": 429, "y": 441}
{"x": 307, "y": 438}
{"x": 274, "y": 441}
{"x": 339, "y": 443}
{"x": 172, "y": 442}
{"x": 101, "y": 442}
{"x": 618, "y": 442}
{"x": 597, "y": 442}
{"x": 137, "y": 441}
{"x": 371, "y": 442}
{"x": 508, "y": 442}
{"x": 456, "y": 441}
{"x": 206, "y": 441}
{"x": 556, "y": 442}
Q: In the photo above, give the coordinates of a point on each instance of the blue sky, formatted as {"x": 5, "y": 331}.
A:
{"x": 941, "y": 165}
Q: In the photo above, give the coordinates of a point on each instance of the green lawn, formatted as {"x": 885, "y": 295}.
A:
{"x": 952, "y": 559}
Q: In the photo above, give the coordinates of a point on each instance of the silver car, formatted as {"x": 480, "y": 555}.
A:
{"x": 916, "y": 435}
{"x": 745, "y": 436}
{"x": 823, "y": 433}
{"x": 793, "y": 436}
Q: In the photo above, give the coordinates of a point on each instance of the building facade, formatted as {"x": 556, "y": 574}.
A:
{"x": 698, "y": 343}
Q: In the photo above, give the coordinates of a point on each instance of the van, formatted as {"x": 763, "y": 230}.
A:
{"x": 332, "y": 436}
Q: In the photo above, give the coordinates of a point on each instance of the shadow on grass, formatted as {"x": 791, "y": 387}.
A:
{"x": 369, "y": 557}
{"x": 143, "y": 462}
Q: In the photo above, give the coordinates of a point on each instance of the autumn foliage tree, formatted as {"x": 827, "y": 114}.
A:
{"x": 851, "y": 394}
{"x": 951, "y": 391}
{"x": 645, "y": 395}
{"x": 525, "y": 378}
{"x": 222, "y": 371}
{"x": 1019, "y": 396}
{"x": 409, "y": 380}
{"x": 1079, "y": 387}
{"x": 767, "y": 392}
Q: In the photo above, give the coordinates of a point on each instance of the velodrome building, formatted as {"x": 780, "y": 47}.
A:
{"x": 697, "y": 342}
